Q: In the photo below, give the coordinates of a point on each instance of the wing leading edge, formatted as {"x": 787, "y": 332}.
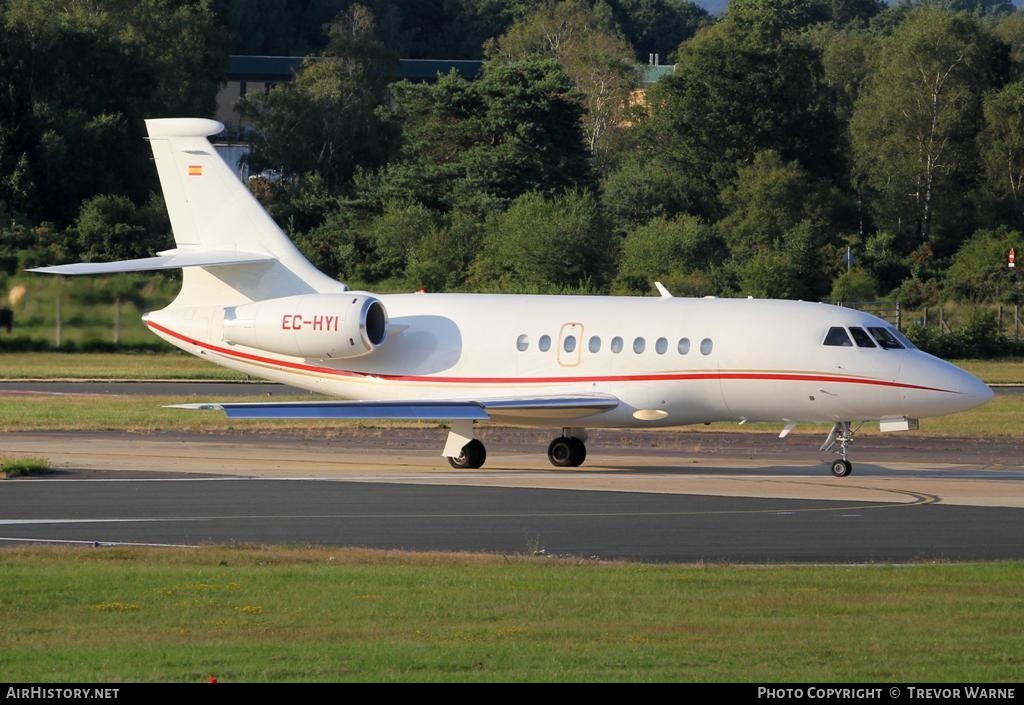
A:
{"x": 478, "y": 410}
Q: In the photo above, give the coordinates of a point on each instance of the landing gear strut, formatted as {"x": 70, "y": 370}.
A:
{"x": 568, "y": 451}
{"x": 838, "y": 439}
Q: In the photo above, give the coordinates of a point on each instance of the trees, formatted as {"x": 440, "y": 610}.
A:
{"x": 680, "y": 252}
{"x": 76, "y": 81}
{"x": 914, "y": 125}
{"x": 1001, "y": 143}
{"x": 742, "y": 86}
{"x": 477, "y": 145}
{"x": 325, "y": 120}
{"x": 591, "y": 49}
{"x": 658, "y": 26}
{"x": 546, "y": 245}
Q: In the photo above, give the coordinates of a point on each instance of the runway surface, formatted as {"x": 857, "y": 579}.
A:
{"x": 604, "y": 525}
{"x": 656, "y": 496}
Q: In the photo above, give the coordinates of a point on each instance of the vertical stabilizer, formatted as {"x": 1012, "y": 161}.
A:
{"x": 211, "y": 210}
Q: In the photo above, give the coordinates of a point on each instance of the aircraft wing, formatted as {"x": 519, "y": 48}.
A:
{"x": 171, "y": 259}
{"x": 509, "y": 408}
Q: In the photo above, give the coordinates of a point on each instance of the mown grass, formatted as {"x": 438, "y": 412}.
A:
{"x": 97, "y": 412}
{"x": 256, "y": 614}
{"x": 144, "y": 366}
{"x": 1008, "y": 371}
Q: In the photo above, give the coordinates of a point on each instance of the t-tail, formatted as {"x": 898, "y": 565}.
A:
{"x": 230, "y": 250}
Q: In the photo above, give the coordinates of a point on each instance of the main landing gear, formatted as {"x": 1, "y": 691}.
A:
{"x": 472, "y": 456}
{"x": 467, "y": 453}
{"x": 838, "y": 439}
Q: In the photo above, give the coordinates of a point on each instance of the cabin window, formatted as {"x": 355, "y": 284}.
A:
{"x": 684, "y": 346}
{"x": 639, "y": 344}
{"x": 569, "y": 344}
{"x": 661, "y": 346}
{"x": 861, "y": 337}
{"x": 616, "y": 344}
{"x": 522, "y": 342}
{"x": 594, "y": 345}
{"x": 706, "y": 346}
{"x": 544, "y": 343}
{"x": 885, "y": 339}
{"x": 837, "y": 336}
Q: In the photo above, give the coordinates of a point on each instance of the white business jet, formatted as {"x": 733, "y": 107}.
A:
{"x": 251, "y": 302}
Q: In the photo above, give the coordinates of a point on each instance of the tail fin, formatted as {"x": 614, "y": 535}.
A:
{"x": 230, "y": 250}
{"x": 212, "y": 211}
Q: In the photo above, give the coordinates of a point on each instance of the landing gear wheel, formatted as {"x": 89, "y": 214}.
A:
{"x": 567, "y": 452}
{"x": 472, "y": 456}
{"x": 841, "y": 468}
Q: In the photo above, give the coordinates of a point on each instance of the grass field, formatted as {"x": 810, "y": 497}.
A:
{"x": 147, "y": 366}
{"x": 252, "y": 614}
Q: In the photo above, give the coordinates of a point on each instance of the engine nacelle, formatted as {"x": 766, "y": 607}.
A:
{"x": 317, "y": 326}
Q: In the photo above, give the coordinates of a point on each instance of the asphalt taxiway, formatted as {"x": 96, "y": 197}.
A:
{"x": 659, "y": 496}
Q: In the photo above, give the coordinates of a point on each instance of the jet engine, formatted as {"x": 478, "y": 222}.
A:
{"x": 318, "y": 326}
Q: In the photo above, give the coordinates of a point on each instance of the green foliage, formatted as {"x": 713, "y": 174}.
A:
{"x": 642, "y": 189}
{"x": 112, "y": 227}
{"x": 659, "y": 26}
{"x": 545, "y": 245}
{"x": 775, "y": 228}
{"x": 680, "y": 253}
{"x": 979, "y": 270}
{"x": 475, "y": 146}
{"x": 325, "y": 120}
{"x": 591, "y": 50}
{"x": 441, "y": 259}
{"x": 19, "y": 467}
{"x": 914, "y": 125}
{"x": 854, "y": 285}
{"x": 980, "y": 338}
{"x": 735, "y": 92}
{"x": 76, "y": 81}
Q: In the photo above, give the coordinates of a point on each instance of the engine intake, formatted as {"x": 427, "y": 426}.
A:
{"x": 321, "y": 326}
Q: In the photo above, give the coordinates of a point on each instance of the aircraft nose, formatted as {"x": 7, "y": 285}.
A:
{"x": 970, "y": 390}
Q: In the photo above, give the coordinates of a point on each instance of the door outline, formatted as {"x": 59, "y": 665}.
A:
{"x": 570, "y": 359}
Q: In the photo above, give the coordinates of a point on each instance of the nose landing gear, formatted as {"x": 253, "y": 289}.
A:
{"x": 838, "y": 439}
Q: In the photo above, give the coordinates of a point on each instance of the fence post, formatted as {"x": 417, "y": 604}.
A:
{"x": 60, "y": 323}
{"x": 117, "y": 322}
{"x": 899, "y": 317}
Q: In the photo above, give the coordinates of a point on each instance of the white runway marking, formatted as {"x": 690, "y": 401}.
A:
{"x": 102, "y": 544}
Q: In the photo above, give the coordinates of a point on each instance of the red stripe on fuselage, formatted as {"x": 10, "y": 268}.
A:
{"x": 655, "y": 377}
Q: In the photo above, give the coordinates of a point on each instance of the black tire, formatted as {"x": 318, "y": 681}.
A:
{"x": 567, "y": 452}
{"x": 841, "y": 468}
{"x": 472, "y": 456}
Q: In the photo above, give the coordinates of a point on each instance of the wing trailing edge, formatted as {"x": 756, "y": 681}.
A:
{"x": 482, "y": 410}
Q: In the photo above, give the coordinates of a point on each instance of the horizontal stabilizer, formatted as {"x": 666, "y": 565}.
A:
{"x": 484, "y": 410}
{"x": 172, "y": 259}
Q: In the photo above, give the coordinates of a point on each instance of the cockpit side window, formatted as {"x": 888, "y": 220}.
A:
{"x": 837, "y": 336}
{"x": 861, "y": 337}
{"x": 886, "y": 340}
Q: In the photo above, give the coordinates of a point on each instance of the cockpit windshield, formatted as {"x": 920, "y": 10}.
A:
{"x": 861, "y": 337}
{"x": 886, "y": 340}
{"x": 902, "y": 338}
{"x": 838, "y": 336}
